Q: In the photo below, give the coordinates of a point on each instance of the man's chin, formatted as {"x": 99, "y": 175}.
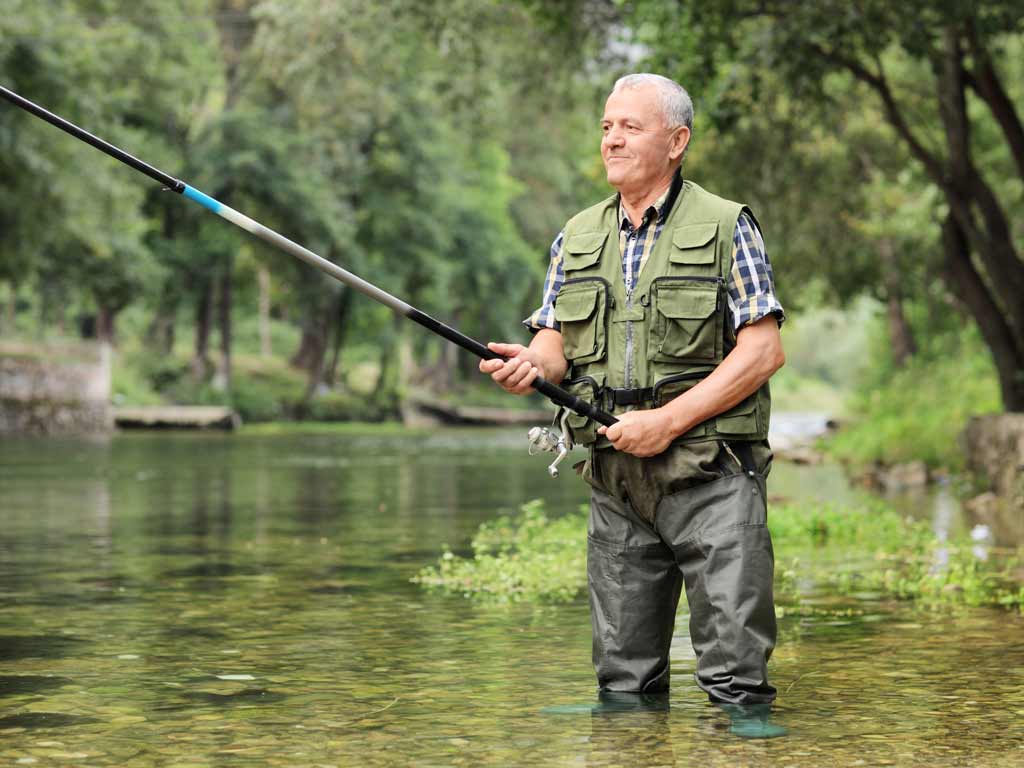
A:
{"x": 616, "y": 179}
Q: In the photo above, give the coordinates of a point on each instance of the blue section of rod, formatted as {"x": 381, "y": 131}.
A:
{"x": 552, "y": 391}
{"x": 202, "y": 198}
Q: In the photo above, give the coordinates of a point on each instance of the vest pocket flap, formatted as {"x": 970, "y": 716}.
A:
{"x": 581, "y": 251}
{"x": 575, "y": 306}
{"x": 740, "y": 419}
{"x": 690, "y": 237}
{"x": 687, "y": 302}
{"x": 587, "y": 242}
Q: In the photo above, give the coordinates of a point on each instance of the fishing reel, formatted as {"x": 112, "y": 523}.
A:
{"x": 548, "y": 439}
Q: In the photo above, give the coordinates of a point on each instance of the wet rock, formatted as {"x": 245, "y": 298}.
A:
{"x": 994, "y": 446}
{"x": 913, "y": 474}
{"x": 800, "y": 455}
{"x": 984, "y": 506}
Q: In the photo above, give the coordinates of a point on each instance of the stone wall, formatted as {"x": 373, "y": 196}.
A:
{"x": 54, "y": 389}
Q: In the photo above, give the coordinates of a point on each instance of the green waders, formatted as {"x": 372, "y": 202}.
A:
{"x": 693, "y": 515}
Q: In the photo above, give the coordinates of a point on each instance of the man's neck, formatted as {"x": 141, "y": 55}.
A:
{"x": 636, "y": 202}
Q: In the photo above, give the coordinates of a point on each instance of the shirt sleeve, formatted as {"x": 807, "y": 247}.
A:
{"x": 544, "y": 316}
{"x": 751, "y": 283}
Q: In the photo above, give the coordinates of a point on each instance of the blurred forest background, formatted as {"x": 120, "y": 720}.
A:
{"x": 436, "y": 148}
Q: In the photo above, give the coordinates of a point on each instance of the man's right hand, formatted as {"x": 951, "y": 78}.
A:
{"x": 516, "y": 374}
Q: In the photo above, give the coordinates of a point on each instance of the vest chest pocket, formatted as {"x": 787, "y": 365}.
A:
{"x": 686, "y": 324}
{"x": 583, "y": 251}
{"x": 581, "y": 309}
{"x": 694, "y": 244}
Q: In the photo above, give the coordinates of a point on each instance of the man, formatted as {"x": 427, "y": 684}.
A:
{"x": 659, "y": 306}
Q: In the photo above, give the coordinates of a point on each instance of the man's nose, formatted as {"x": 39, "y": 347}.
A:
{"x": 613, "y": 138}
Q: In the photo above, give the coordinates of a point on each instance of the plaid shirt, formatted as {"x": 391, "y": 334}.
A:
{"x": 751, "y": 284}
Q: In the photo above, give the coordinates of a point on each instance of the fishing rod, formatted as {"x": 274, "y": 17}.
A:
{"x": 540, "y": 439}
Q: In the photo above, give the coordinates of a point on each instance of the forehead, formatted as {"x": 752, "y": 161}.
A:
{"x": 640, "y": 104}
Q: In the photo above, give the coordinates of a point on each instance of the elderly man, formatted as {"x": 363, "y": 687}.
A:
{"x": 659, "y": 306}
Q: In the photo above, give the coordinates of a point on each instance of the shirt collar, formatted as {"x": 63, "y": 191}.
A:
{"x": 659, "y": 209}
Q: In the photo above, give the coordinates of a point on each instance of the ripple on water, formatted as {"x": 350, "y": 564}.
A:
{"x": 217, "y": 571}
{"x": 37, "y": 646}
{"x": 44, "y": 720}
{"x": 247, "y": 696}
{"x": 15, "y": 685}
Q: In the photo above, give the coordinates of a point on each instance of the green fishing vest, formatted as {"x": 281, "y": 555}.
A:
{"x": 644, "y": 349}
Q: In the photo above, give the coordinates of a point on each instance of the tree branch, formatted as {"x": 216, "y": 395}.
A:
{"x": 879, "y": 83}
{"x": 995, "y": 245}
{"x": 985, "y": 82}
{"x": 965, "y": 282}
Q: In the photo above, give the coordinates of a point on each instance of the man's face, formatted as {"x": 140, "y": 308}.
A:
{"x": 637, "y": 149}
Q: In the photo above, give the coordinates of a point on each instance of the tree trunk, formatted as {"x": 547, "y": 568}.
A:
{"x": 263, "y": 278}
{"x": 901, "y": 335}
{"x": 223, "y": 376}
{"x": 313, "y": 345}
{"x": 105, "y": 318}
{"x": 967, "y": 190}
{"x": 338, "y": 338}
{"x": 204, "y": 318}
{"x": 10, "y": 308}
{"x": 965, "y": 282}
{"x": 160, "y": 333}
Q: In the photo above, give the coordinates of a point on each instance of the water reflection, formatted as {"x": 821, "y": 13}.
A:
{"x": 206, "y": 598}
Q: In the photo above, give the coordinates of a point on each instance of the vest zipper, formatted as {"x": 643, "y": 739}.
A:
{"x": 629, "y": 343}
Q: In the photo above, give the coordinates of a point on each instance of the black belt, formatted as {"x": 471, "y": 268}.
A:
{"x": 619, "y": 396}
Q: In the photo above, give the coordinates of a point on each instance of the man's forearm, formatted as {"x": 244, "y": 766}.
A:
{"x": 757, "y": 355}
{"x": 547, "y": 346}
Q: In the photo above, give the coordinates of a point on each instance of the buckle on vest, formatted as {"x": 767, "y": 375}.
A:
{"x": 621, "y": 396}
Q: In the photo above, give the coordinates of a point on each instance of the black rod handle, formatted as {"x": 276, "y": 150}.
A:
{"x": 551, "y": 391}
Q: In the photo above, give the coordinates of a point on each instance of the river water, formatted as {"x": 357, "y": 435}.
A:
{"x": 208, "y": 599}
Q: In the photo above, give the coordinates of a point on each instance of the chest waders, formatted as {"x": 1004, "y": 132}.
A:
{"x": 695, "y": 515}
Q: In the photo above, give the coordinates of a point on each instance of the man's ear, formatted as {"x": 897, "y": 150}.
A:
{"x": 679, "y": 141}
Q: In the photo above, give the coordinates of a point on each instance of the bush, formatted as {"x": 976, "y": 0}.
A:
{"x": 918, "y": 412}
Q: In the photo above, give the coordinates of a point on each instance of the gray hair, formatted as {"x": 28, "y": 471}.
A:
{"x": 676, "y": 105}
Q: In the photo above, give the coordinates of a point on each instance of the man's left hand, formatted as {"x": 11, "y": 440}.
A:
{"x": 641, "y": 433}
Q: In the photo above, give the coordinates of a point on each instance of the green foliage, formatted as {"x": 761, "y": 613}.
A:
{"x": 919, "y": 411}
{"x": 531, "y": 557}
{"x": 528, "y": 557}
{"x": 386, "y": 137}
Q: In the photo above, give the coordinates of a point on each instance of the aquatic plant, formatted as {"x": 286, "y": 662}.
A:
{"x": 866, "y": 547}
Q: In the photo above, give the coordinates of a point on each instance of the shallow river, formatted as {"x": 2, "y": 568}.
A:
{"x": 180, "y": 599}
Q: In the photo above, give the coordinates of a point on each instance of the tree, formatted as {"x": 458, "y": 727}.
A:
{"x": 952, "y": 49}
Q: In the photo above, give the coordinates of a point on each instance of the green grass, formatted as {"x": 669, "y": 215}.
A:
{"x": 532, "y": 557}
{"x": 918, "y": 412}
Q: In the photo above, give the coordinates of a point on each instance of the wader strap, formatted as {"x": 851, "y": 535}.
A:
{"x": 617, "y": 396}
{"x": 745, "y": 454}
